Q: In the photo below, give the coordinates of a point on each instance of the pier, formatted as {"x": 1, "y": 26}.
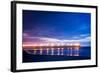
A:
{"x": 71, "y": 49}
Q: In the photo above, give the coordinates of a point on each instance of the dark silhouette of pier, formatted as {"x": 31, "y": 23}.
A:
{"x": 60, "y": 49}
{"x": 43, "y": 47}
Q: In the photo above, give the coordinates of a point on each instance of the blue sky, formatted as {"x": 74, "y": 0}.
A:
{"x": 44, "y": 26}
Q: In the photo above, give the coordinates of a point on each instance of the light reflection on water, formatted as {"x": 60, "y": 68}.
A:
{"x": 55, "y": 51}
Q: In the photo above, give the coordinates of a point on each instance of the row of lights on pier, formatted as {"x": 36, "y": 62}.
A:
{"x": 53, "y": 44}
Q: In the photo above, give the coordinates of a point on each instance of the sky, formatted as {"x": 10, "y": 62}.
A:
{"x": 57, "y": 27}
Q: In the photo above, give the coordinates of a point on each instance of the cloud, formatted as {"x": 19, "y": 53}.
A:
{"x": 25, "y": 34}
{"x": 83, "y": 39}
{"x": 84, "y": 35}
{"x": 81, "y": 36}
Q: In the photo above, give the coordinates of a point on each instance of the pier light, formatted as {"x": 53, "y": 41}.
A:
{"x": 68, "y": 44}
{"x": 77, "y": 44}
{"x": 58, "y": 44}
{"x": 52, "y": 44}
{"x": 41, "y": 44}
{"x": 35, "y": 45}
{"x": 47, "y": 44}
{"x": 38, "y": 44}
{"x": 62, "y": 44}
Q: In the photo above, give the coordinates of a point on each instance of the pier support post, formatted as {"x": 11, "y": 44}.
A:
{"x": 71, "y": 51}
{"x": 77, "y": 51}
{"x": 47, "y": 50}
{"x": 62, "y": 51}
{"x": 41, "y": 51}
{"x": 58, "y": 49}
{"x": 52, "y": 51}
{"x": 34, "y": 51}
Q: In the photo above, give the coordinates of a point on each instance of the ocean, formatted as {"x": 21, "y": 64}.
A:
{"x": 68, "y": 54}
